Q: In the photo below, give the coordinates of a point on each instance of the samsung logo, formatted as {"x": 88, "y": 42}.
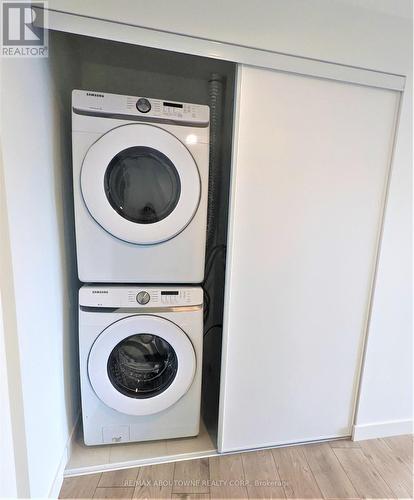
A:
{"x": 94, "y": 95}
{"x": 100, "y": 291}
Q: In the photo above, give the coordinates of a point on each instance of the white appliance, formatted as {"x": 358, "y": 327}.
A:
{"x": 140, "y": 170}
{"x": 140, "y": 362}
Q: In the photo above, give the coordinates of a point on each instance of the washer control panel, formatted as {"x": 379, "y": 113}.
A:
{"x": 140, "y": 107}
{"x": 117, "y": 296}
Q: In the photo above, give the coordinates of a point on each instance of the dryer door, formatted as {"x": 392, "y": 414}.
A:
{"x": 140, "y": 183}
{"x": 141, "y": 365}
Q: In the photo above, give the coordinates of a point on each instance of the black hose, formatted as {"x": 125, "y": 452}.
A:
{"x": 216, "y": 110}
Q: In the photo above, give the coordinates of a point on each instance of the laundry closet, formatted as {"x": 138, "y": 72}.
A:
{"x": 270, "y": 287}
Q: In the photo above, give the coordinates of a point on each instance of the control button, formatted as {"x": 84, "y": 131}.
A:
{"x": 143, "y": 298}
{"x": 143, "y": 105}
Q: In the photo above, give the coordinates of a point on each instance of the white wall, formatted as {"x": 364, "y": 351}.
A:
{"x": 386, "y": 397}
{"x": 42, "y": 264}
{"x": 8, "y": 484}
{"x": 14, "y": 479}
{"x": 8, "y": 478}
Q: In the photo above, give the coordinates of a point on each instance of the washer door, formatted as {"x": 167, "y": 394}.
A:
{"x": 141, "y": 365}
{"x": 140, "y": 183}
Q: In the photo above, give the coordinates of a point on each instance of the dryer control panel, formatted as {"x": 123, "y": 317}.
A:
{"x": 117, "y": 296}
{"x": 141, "y": 108}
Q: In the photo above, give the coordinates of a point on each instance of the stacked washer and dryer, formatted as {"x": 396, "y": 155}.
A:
{"x": 140, "y": 171}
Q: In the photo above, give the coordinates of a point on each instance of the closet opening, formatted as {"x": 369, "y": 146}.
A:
{"x": 102, "y": 66}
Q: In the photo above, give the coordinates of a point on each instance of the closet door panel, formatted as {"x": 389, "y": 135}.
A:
{"x": 310, "y": 169}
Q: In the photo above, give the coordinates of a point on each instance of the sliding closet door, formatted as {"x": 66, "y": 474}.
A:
{"x": 311, "y": 162}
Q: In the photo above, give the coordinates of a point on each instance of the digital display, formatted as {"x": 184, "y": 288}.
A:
{"x": 169, "y": 293}
{"x": 173, "y": 104}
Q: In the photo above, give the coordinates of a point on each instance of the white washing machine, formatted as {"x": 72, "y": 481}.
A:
{"x": 140, "y": 362}
{"x": 140, "y": 169}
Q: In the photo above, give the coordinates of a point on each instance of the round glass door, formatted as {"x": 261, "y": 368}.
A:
{"x": 141, "y": 364}
{"x": 140, "y": 183}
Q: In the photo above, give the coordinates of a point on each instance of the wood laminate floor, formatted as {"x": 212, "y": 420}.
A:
{"x": 378, "y": 468}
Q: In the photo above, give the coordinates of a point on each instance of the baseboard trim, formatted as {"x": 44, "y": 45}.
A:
{"x": 382, "y": 429}
{"x": 58, "y": 480}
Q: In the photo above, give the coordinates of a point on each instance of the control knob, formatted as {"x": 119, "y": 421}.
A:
{"x": 143, "y": 105}
{"x": 143, "y": 298}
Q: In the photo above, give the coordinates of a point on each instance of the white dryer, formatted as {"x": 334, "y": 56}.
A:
{"x": 140, "y": 362}
{"x": 140, "y": 169}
